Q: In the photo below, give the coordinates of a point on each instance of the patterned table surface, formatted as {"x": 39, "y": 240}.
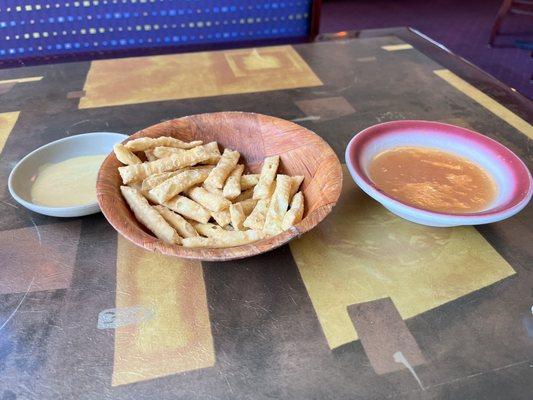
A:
{"x": 365, "y": 306}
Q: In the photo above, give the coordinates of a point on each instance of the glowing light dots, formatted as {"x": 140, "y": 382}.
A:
{"x": 63, "y": 26}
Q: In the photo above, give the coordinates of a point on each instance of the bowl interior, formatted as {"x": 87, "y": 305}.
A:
{"x": 509, "y": 174}
{"x": 255, "y": 136}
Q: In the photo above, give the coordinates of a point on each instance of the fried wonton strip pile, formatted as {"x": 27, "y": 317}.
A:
{"x": 189, "y": 194}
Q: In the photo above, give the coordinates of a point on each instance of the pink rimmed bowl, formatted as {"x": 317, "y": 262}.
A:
{"x": 510, "y": 174}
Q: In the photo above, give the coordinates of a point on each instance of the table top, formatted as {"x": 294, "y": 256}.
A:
{"x": 364, "y": 306}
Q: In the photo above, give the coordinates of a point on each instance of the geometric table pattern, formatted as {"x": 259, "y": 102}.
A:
{"x": 364, "y": 305}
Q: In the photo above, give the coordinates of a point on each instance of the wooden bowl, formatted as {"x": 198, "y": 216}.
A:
{"x": 255, "y": 136}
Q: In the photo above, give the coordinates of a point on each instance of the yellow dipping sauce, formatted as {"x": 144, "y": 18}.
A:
{"x": 433, "y": 180}
{"x": 69, "y": 183}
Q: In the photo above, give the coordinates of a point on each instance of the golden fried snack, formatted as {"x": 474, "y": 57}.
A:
{"x": 229, "y": 239}
{"x": 249, "y": 181}
{"x": 135, "y": 185}
{"x": 263, "y": 189}
{"x": 223, "y": 218}
{"x": 209, "y": 230}
{"x": 296, "y": 181}
{"x": 146, "y": 143}
{"x": 188, "y": 208}
{"x": 246, "y": 208}
{"x": 248, "y": 205}
{"x": 139, "y": 172}
{"x": 237, "y": 216}
{"x": 156, "y": 179}
{"x": 225, "y": 165}
{"x": 256, "y": 219}
{"x": 184, "y": 228}
{"x": 178, "y": 183}
{"x": 278, "y": 205}
{"x": 148, "y": 216}
{"x": 125, "y": 156}
{"x": 212, "y": 148}
{"x": 162, "y": 151}
{"x": 232, "y": 187}
{"x": 211, "y": 201}
{"x": 295, "y": 213}
{"x": 247, "y": 194}
{"x": 212, "y": 189}
{"x": 150, "y": 155}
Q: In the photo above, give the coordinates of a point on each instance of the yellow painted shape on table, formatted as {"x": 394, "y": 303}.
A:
{"x": 362, "y": 252}
{"x": 178, "y": 336}
{"x": 22, "y": 80}
{"x": 397, "y": 47}
{"x": 191, "y": 75}
{"x": 7, "y": 122}
{"x": 488, "y": 102}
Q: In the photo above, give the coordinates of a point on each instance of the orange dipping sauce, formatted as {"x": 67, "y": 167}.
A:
{"x": 433, "y": 180}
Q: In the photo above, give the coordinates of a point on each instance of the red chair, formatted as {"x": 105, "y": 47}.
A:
{"x": 524, "y": 7}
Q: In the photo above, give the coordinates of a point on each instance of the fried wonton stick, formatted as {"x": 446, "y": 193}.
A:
{"x": 296, "y": 181}
{"x": 188, "y": 208}
{"x": 295, "y": 213}
{"x": 136, "y": 186}
{"x": 146, "y": 143}
{"x": 232, "y": 187}
{"x": 211, "y": 201}
{"x": 278, "y": 205}
{"x": 177, "y": 184}
{"x": 162, "y": 152}
{"x": 184, "y": 228}
{"x": 125, "y": 156}
{"x": 256, "y": 220}
{"x": 148, "y": 216}
{"x": 139, "y": 172}
{"x": 209, "y": 230}
{"x": 225, "y": 165}
{"x": 211, "y": 148}
{"x": 156, "y": 179}
{"x": 247, "y": 194}
{"x": 213, "y": 190}
{"x": 229, "y": 239}
{"x": 150, "y": 155}
{"x": 248, "y": 205}
{"x": 263, "y": 189}
{"x": 222, "y": 218}
{"x": 237, "y": 216}
{"x": 249, "y": 181}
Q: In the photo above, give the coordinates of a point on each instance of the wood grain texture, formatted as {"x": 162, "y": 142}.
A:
{"x": 253, "y": 136}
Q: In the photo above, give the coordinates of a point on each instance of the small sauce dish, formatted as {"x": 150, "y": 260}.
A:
{"x": 511, "y": 176}
{"x": 23, "y": 175}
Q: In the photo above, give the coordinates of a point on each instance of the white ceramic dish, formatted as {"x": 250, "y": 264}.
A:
{"x": 21, "y": 177}
{"x": 510, "y": 174}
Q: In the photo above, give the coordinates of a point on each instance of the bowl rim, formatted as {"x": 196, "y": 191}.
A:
{"x": 48, "y": 209}
{"x": 151, "y": 243}
{"x": 356, "y": 144}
